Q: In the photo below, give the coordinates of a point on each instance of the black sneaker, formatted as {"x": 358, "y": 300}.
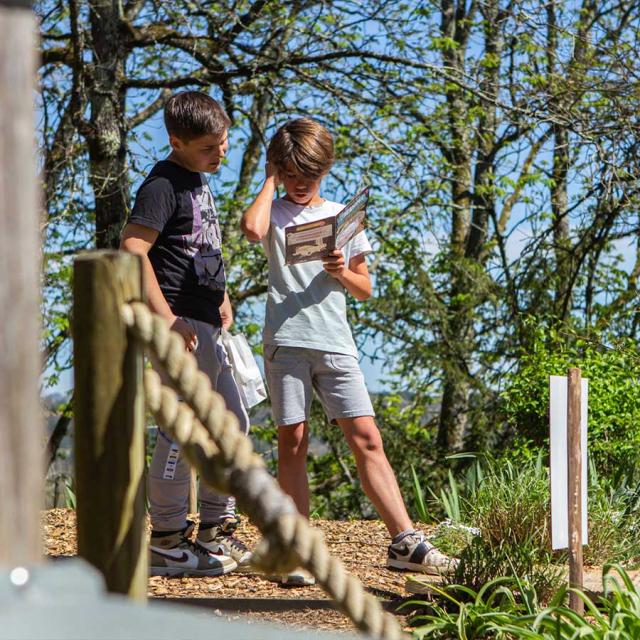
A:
{"x": 414, "y": 553}
{"x": 175, "y": 555}
{"x": 220, "y": 537}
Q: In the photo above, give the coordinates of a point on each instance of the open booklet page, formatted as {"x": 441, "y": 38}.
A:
{"x": 315, "y": 240}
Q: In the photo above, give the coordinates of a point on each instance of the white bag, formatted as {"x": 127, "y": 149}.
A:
{"x": 245, "y": 369}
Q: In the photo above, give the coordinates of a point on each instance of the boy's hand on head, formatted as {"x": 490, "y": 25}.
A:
{"x": 334, "y": 264}
{"x": 272, "y": 172}
{"x": 187, "y": 332}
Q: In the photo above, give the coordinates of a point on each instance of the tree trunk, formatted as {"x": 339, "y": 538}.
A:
{"x": 458, "y": 329}
{"x": 107, "y": 131}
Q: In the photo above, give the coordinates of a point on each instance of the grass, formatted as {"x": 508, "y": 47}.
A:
{"x": 510, "y": 506}
{"x": 509, "y": 609}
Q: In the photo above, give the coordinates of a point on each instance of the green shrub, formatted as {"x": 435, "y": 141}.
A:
{"x": 614, "y": 393}
{"x": 511, "y": 509}
{"x": 510, "y": 506}
{"x": 508, "y": 609}
{"x": 614, "y": 518}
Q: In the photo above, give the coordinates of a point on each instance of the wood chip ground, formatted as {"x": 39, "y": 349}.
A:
{"x": 361, "y": 545}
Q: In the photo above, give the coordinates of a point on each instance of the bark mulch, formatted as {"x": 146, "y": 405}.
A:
{"x": 361, "y": 545}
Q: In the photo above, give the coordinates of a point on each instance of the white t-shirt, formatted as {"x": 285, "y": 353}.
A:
{"x": 306, "y": 307}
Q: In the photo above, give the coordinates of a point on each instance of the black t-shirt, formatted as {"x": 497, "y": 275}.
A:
{"x": 187, "y": 256}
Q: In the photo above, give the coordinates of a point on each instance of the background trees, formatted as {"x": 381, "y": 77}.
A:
{"x": 500, "y": 137}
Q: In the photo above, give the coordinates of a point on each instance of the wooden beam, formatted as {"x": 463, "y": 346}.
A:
{"x": 21, "y": 419}
{"x": 574, "y": 470}
{"x": 109, "y": 422}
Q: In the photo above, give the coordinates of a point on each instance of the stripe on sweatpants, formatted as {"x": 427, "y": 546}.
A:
{"x": 172, "y": 461}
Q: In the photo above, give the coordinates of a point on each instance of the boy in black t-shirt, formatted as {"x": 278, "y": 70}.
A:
{"x": 174, "y": 227}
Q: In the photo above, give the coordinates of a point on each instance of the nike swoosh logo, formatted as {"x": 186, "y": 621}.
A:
{"x": 183, "y": 557}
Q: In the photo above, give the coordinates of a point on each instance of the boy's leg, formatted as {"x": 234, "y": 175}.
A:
{"x": 293, "y": 442}
{"x": 171, "y": 550}
{"x": 169, "y": 473}
{"x": 376, "y": 475}
{"x": 343, "y": 393}
{"x": 168, "y": 486}
{"x": 218, "y": 520}
{"x": 216, "y": 508}
{"x": 288, "y": 375}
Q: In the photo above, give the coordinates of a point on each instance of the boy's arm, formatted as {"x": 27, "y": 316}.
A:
{"x": 255, "y": 222}
{"x": 138, "y": 240}
{"x": 354, "y": 278}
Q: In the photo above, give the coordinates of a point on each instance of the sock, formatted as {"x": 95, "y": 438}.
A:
{"x": 401, "y": 535}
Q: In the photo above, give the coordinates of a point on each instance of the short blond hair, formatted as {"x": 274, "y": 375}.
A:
{"x": 303, "y": 145}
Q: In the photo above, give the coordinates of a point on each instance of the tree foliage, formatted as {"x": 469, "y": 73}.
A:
{"x": 500, "y": 137}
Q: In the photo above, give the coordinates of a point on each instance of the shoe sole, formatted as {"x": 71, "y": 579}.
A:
{"x": 422, "y": 568}
{"x": 287, "y": 581}
{"x": 290, "y": 581}
{"x": 198, "y": 573}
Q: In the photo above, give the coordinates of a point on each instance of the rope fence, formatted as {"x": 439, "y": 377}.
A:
{"x": 196, "y": 418}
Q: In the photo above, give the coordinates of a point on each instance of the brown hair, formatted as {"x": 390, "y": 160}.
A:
{"x": 191, "y": 114}
{"x": 303, "y": 145}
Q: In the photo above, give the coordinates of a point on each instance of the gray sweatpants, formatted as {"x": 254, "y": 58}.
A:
{"x": 169, "y": 473}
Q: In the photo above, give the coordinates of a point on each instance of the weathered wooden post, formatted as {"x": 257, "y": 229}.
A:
{"x": 574, "y": 484}
{"x": 568, "y": 417}
{"x": 21, "y": 421}
{"x": 109, "y": 422}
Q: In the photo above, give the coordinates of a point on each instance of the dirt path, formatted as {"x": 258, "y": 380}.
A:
{"x": 361, "y": 545}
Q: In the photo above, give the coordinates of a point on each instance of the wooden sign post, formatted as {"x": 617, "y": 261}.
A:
{"x": 574, "y": 485}
{"x": 568, "y": 407}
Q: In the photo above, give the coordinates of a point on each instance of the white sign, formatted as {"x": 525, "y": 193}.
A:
{"x": 558, "y": 461}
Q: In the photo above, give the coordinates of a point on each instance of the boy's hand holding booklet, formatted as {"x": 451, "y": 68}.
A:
{"x": 316, "y": 240}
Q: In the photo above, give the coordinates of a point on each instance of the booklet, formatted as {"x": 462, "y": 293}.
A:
{"x": 315, "y": 240}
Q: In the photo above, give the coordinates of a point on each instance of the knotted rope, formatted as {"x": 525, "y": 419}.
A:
{"x": 211, "y": 440}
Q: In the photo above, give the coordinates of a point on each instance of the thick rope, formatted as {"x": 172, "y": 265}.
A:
{"x": 210, "y": 438}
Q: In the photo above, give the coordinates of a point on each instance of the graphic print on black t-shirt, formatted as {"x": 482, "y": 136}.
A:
{"x": 204, "y": 244}
{"x": 186, "y": 256}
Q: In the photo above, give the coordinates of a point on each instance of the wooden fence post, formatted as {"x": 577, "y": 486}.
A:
{"x": 109, "y": 422}
{"x": 574, "y": 485}
{"x": 21, "y": 419}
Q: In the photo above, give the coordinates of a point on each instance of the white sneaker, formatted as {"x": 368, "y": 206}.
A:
{"x": 220, "y": 539}
{"x": 175, "y": 555}
{"x": 414, "y": 553}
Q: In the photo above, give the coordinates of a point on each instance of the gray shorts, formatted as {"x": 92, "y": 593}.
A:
{"x": 294, "y": 372}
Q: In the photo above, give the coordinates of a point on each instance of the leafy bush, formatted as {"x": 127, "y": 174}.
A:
{"x": 614, "y": 393}
{"x": 614, "y": 518}
{"x": 510, "y": 506}
{"x": 508, "y": 609}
